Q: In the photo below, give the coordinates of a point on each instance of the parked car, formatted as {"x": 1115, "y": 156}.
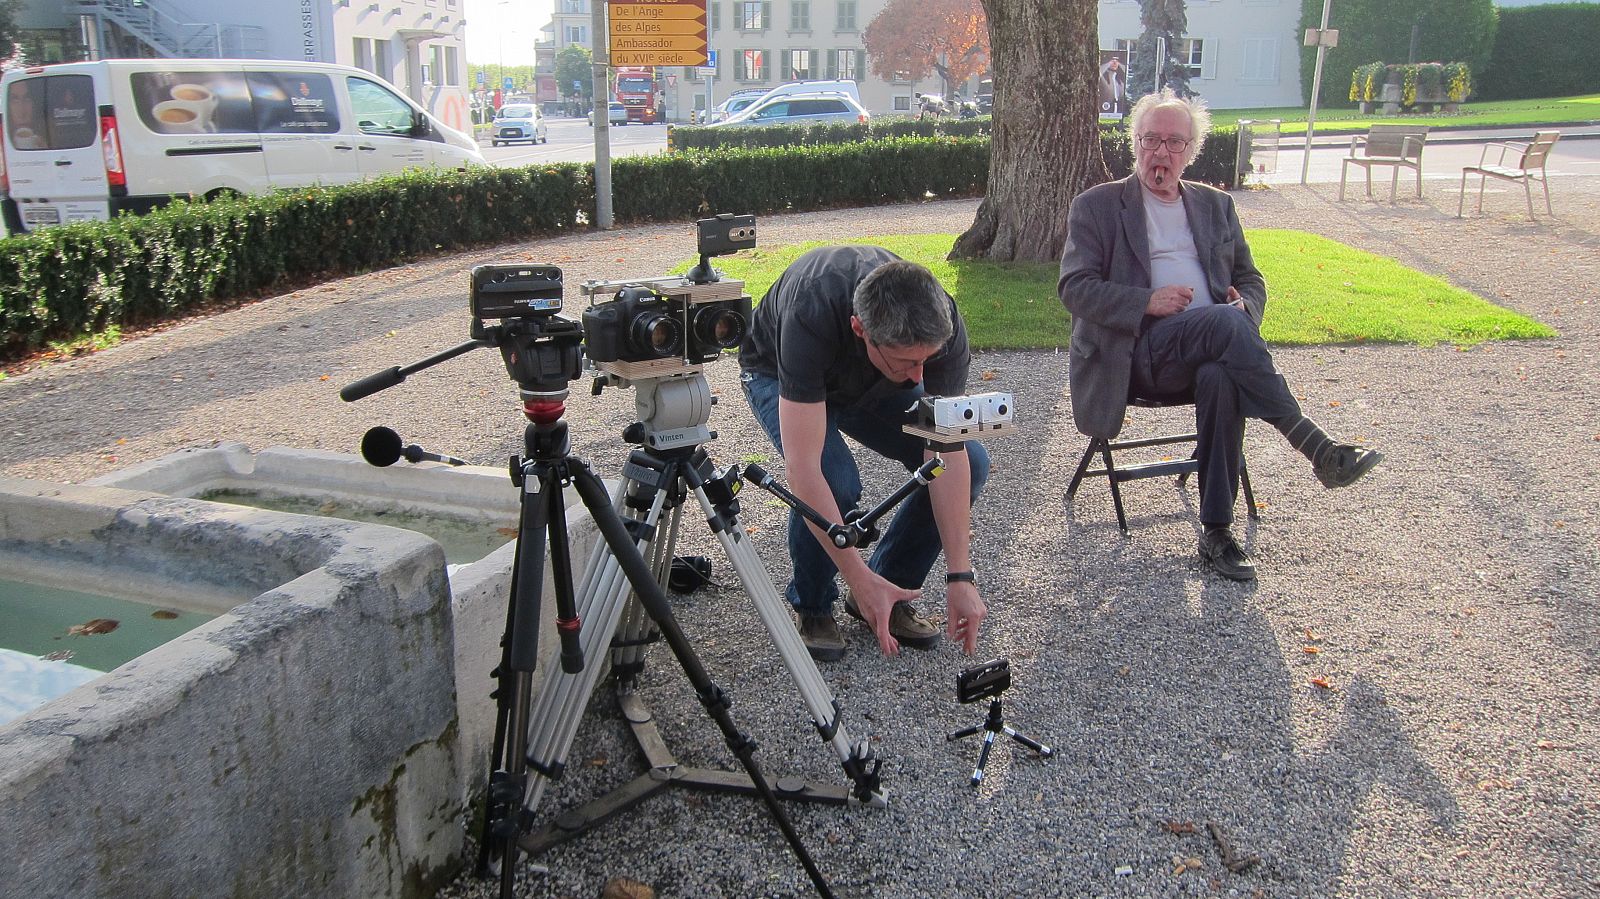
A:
{"x": 519, "y": 121}
{"x": 799, "y": 109}
{"x": 742, "y": 99}
{"x": 616, "y": 113}
{"x": 86, "y": 141}
{"x": 736, "y": 103}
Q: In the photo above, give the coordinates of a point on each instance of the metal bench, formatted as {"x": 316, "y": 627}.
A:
{"x": 1396, "y": 146}
{"x": 1527, "y": 166}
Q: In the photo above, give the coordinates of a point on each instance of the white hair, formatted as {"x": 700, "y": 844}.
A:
{"x": 1199, "y": 118}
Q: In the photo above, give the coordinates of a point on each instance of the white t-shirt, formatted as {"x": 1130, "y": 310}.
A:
{"x": 1173, "y": 259}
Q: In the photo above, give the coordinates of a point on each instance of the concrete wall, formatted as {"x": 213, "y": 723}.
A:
{"x": 480, "y": 591}
{"x": 305, "y": 743}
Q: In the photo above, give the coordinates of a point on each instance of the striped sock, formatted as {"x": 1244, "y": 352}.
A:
{"x": 1304, "y": 435}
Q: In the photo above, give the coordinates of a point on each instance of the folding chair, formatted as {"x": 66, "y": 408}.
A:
{"x": 1115, "y": 474}
{"x": 1528, "y": 167}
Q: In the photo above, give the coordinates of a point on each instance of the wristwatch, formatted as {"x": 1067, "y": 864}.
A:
{"x": 961, "y": 576}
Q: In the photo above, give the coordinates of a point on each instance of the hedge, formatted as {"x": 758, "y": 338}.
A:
{"x": 703, "y": 137}
{"x": 78, "y": 279}
{"x": 1544, "y": 51}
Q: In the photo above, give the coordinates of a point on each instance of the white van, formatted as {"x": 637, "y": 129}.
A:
{"x": 88, "y": 140}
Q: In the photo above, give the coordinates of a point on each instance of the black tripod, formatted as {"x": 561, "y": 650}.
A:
{"x": 542, "y": 354}
{"x": 988, "y": 681}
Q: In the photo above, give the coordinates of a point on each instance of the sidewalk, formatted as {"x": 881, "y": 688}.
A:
{"x": 1448, "y": 601}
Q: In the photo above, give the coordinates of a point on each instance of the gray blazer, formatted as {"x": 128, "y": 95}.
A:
{"x": 1105, "y": 284}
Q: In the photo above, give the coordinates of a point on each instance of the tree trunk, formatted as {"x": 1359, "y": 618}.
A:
{"x": 1045, "y": 148}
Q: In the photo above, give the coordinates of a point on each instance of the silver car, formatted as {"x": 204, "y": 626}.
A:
{"x": 518, "y": 121}
{"x": 799, "y": 109}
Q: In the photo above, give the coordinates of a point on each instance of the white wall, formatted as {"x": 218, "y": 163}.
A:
{"x": 1250, "y": 51}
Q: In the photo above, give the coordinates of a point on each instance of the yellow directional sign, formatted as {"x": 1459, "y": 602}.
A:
{"x": 657, "y": 11}
{"x": 658, "y": 58}
{"x": 657, "y": 32}
{"x": 627, "y": 28}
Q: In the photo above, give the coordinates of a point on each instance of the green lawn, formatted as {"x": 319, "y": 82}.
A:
{"x": 1321, "y": 292}
{"x": 1509, "y": 113}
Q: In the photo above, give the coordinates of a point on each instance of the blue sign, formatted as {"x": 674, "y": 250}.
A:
{"x": 483, "y": 78}
{"x": 577, "y": 87}
{"x": 505, "y": 83}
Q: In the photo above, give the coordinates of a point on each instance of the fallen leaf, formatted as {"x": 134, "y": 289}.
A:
{"x": 164, "y": 614}
{"x": 93, "y": 626}
{"x": 598, "y": 761}
{"x": 1321, "y": 681}
{"x": 324, "y": 377}
{"x": 1178, "y": 826}
{"x": 990, "y": 375}
{"x": 1334, "y": 403}
{"x": 1312, "y": 636}
{"x": 122, "y": 441}
{"x": 1310, "y": 650}
{"x": 506, "y": 532}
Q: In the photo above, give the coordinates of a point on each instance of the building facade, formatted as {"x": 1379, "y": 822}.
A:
{"x": 416, "y": 45}
{"x": 1241, "y": 53}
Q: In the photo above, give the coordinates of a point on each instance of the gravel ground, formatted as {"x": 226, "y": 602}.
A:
{"x": 1452, "y": 594}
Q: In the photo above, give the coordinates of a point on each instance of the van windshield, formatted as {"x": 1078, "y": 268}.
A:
{"x": 52, "y": 112}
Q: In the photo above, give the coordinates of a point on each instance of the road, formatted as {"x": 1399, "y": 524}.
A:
{"x": 572, "y": 140}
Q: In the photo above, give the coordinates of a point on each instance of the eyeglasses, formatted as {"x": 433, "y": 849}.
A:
{"x": 1175, "y": 145}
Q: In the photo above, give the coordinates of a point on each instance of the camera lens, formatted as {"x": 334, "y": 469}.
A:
{"x": 657, "y": 334}
{"x": 718, "y": 326}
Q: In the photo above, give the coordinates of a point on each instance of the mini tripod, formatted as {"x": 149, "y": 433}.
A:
{"x": 988, "y": 681}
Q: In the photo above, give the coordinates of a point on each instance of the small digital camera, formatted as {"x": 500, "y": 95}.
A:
{"x": 983, "y": 681}
{"x": 511, "y": 290}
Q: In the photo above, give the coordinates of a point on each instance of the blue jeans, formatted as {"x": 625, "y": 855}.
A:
{"x": 910, "y": 544}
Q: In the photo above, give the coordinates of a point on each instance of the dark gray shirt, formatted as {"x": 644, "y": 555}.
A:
{"x": 801, "y": 333}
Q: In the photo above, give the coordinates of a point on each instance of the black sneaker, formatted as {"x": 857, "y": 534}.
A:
{"x": 1225, "y": 556}
{"x": 906, "y": 624}
{"x": 1344, "y": 464}
{"x": 821, "y": 637}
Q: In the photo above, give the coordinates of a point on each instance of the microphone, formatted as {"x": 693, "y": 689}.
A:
{"x": 383, "y": 447}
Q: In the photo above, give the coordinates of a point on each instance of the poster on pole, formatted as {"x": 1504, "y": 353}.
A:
{"x": 1112, "y": 84}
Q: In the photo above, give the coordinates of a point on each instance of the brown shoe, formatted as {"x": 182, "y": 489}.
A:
{"x": 906, "y": 624}
{"x": 820, "y": 634}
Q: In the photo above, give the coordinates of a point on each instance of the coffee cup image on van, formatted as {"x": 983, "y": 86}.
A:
{"x": 182, "y": 117}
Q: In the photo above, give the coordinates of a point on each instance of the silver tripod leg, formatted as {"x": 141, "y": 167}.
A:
{"x": 773, "y": 610}
{"x": 602, "y": 596}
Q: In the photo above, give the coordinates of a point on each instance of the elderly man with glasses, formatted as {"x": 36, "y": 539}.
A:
{"x": 1166, "y": 301}
{"x": 844, "y": 343}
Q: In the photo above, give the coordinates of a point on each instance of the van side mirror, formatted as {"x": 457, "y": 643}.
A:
{"x": 419, "y": 124}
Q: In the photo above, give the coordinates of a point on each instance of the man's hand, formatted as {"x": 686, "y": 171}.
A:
{"x": 1169, "y": 300}
{"x": 874, "y": 598}
{"x": 964, "y": 612}
{"x": 1234, "y": 299}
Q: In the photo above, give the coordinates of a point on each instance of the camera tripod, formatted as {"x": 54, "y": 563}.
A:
{"x": 668, "y": 466}
{"x": 992, "y": 726}
{"x": 542, "y": 354}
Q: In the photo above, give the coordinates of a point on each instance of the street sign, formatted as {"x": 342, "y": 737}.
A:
{"x": 710, "y": 67}
{"x": 656, "y": 58}
{"x": 657, "y": 32}
{"x": 506, "y": 84}
{"x": 483, "y": 78}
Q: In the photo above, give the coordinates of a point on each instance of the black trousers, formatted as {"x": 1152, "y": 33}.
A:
{"x": 1216, "y": 352}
